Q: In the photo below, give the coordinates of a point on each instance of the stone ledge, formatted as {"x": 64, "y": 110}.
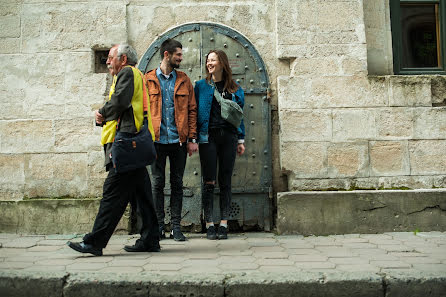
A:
{"x": 346, "y": 212}
{"x": 52, "y": 216}
{"x": 17, "y": 283}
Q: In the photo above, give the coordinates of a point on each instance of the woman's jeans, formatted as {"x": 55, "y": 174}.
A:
{"x": 221, "y": 149}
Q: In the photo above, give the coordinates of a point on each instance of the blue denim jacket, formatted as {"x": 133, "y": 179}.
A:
{"x": 204, "y": 93}
{"x": 168, "y": 128}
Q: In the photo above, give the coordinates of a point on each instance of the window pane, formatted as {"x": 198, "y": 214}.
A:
{"x": 419, "y": 32}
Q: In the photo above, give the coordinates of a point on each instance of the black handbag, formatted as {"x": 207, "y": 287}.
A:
{"x": 131, "y": 151}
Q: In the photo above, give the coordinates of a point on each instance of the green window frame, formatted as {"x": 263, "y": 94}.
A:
{"x": 397, "y": 36}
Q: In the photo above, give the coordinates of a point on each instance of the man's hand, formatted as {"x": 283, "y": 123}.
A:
{"x": 192, "y": 148}
{"x": 99, "y": 118}
{"x": 240, "y": 149}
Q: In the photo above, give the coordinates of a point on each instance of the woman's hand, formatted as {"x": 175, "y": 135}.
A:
{"x": 240, "y": 149}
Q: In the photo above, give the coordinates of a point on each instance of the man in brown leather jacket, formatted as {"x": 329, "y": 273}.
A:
{"x": 174, "y": 118}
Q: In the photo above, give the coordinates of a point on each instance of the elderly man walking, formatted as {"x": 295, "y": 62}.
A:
{"x": 125, "y": 103}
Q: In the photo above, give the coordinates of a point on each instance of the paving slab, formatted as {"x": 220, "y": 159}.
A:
{"x": 247, "y": 264}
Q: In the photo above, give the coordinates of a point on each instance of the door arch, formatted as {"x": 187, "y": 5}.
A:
{"x": 252, "y": 178}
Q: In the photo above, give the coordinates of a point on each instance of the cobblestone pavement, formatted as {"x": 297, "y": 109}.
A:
{"x": 243, "y": 252}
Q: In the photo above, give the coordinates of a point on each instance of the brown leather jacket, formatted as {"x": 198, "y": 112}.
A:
{"x": 184, "y": 102}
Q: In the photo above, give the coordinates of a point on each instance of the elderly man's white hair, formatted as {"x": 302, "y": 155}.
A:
{"x": 129, "y": 51}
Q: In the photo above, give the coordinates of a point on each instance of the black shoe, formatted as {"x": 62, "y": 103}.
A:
{"x": 222, "y": 232}
{"x": 82, "y": 247}
{"x": 177, "y": 235}
{"x": 162, "y": 233}
{"x": 140, "y": 247}
{"x": 211, "y": 233}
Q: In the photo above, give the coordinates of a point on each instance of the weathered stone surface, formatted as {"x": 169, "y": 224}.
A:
{"x": 75, "y": 135}
{"x": 26, "y": 136}
{"x": 52, "y": 216}
{"x": 410, "y": 91}
{"x": 10, "y": 26}
{"x": 348, "y": 159}
{"x": 389, "y": 158}
{"x": 56, "y": 175}
{"x": 9, "y": 45}
{"x": 305, "y": 159}
{"x": 353, "y": 124}
{"x": 323, "y": 213}
{"x": 367, "y": 183}
{"x": 331, "y": 91}
{"x": 12, "y": 176}
{"x": 438, "y": 89}
{"x": 422, "y": 283}
{"x": 315, "y": 66}
{"x": 427, "y": 157}
{"x": 307, "y": 284}
{"x": 320, "y": 18}
{"x": 143, "y": 284}
{"x": 430, "y": 123}
{"x": 378, "y": 36}
{"x": 306, "y": 125}
{"x": 61, "y": 24}
{"x": 32, "y": 284}
{"x": 395, "y": 123}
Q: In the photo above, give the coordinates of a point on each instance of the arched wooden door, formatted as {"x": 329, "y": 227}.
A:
{"x": 251, "y": 181}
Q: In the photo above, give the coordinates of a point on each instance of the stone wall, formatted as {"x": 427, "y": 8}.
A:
{"x": 341, "y": 128}
{"x": 334, "y": 125}
{"x": 49, "y": 145}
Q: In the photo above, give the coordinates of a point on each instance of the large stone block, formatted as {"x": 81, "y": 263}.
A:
{"x": 430, "y": 123}
{"x": 352, "y": 212}
{"x": 75, "y": 135}
{"x": 9, "y": 45}
{"x": 410, "y": 91}
{"x": 331, "y": 91}
{"x": 348, "y": 159}
{"x": 427, "y": 157}
{"x": 306, "y": 125}
{"x": 53, "y": 216}
{"x": 12, "y": 176}
{"x": 438, "y": 89}
{"x": 56, "y": 175}
{"x": 348, "y": 91}
{"x": 56, "y": 27}
{"x": 304, "y": 159}
{"x": 389, "y": 158}
{"x": 293, "y": 94}
{"x": 353, "y": 124}
{"x": 336, "y": 17}
{"x": 9, "y": 26}
{"x": 42, "y": 86}
{"x": 316, "y": 66}
{"x": 26, "y": 136}
{"x": 395, "y": 123}
{"x": 351, "y": 51}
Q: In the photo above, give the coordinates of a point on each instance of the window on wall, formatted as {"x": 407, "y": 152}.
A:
{"x": 418, "y": 34}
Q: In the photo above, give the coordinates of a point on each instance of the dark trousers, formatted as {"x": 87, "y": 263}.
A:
{"x": 177, "y": 160}
{"x": 120, "y": 189}
{"x": 221, "y": 149}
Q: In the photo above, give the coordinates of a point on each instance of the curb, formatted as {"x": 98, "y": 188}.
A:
{"x": 392, "y": 284}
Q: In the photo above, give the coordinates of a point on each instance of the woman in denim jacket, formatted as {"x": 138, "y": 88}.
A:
{"x": 219, "y": 141}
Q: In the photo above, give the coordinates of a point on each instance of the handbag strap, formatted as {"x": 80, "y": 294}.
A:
{"x": 217, "y": 94}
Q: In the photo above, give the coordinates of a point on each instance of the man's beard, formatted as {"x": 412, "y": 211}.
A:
{"x": 174, "y": 66}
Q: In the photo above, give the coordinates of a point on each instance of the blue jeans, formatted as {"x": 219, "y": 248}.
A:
{"x": 177, "y": 159}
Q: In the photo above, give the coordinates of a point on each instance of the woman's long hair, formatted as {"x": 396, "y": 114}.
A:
{"x": 230, "y": 84}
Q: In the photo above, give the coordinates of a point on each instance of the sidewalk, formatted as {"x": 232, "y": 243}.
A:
{"x": 247, "y": 264}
